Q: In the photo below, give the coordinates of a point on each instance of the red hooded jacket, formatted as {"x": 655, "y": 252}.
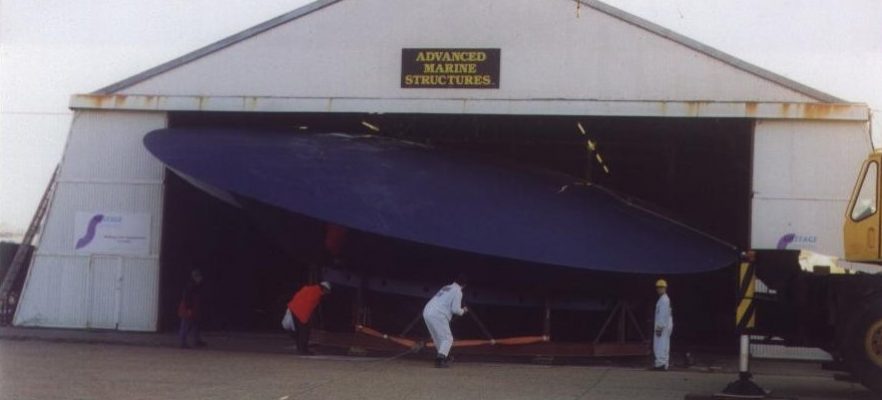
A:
{"x": 305, "y": 301}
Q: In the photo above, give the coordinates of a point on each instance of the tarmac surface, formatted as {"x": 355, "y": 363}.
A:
{"x": 55, "y": 366}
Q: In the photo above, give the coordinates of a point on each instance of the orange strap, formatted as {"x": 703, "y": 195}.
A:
{"x": 456, "y": 343}
{"x": 513, "y": 341}
{"x": 368, "y": 331}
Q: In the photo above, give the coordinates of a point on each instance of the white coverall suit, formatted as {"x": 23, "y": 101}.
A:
{"x": 438, "y": 313}
{"x": 664, "y": 322}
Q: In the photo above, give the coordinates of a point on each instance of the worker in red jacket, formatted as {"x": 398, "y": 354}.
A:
{"x": 302, "y": 306}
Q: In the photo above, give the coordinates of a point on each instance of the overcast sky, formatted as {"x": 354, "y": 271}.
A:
{"x": 50, "y": 49}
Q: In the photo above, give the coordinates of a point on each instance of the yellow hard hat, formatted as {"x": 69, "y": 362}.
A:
{"x": 661, "y": 283}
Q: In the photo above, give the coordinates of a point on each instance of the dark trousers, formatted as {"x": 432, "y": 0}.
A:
{"x": 189, "y": 326}
{"x": 302, "y": 336}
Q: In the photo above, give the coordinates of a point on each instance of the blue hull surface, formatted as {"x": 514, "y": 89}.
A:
{"x": 453, "y": 200}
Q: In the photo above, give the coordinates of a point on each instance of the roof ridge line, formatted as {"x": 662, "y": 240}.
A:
{"x": 594, "y": 4}
{"x": 710, "y": 51}
{"x": 216, "y": 46}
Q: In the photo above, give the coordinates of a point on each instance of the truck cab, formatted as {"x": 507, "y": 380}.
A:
{"x": 858, "y": 321}
{"x": 862, "y": 219}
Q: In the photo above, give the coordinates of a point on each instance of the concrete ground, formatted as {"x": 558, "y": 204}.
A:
{"x": 41, "y": 369}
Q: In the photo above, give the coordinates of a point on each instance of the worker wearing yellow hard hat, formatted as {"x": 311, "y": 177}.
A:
{"x": 664, "y": 325}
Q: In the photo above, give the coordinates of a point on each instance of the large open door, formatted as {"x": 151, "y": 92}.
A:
{"x": 690, "y": 170}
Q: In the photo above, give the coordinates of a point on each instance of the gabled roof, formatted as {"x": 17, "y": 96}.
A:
{"x": 221, "y": 44}
{"x": 594, "y": 4}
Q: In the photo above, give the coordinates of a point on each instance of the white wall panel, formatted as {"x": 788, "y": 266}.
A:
{"x": 55, "y": 293}
{"x": 803, "y": 174}
{"x": 139, "y": 295}
{"x": 808, "y": 159}
{"x": 346, "y": 50}
{"x": 107, "y": 146}
{"x": 102, "y": 292}
{"x": 105, "y": 169}
{"x": 816, "y": 225}
{"x": 105, "y": 275}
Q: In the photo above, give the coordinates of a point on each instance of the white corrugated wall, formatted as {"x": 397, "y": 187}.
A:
{"x": 548, "y": 52}
{"x": 105, "y": 169}
{"x": 803, "y": 174}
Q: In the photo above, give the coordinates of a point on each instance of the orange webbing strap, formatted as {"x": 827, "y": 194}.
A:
{"x": 456, "y": 343}
{"x": 514, "y": 341}
{"x": 522, "y": 340}
{"x": 371, "y": 332}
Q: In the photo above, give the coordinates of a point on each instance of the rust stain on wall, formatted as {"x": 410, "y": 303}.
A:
{"x": 750, "y": 108}
{"x": 823, "y": 110}
{"x": 119, "y": 100}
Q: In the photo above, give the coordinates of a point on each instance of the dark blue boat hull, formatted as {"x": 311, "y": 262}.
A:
{"x": 425, "y": 195}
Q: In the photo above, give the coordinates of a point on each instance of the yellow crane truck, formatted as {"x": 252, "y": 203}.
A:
{"x": 836, "y": 309}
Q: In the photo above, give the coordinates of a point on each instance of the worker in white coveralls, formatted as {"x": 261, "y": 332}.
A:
{"x": 438, "y": 313}
{"x": 664, "y": 324}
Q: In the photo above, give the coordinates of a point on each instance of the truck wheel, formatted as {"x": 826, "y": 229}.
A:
{"x": 864, "y": 347}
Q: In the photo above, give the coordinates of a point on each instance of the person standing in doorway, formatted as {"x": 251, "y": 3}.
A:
{"x": 437, "y": 314}
{"x": 190, "y": 311}
{"x": 664, "y": 325}
{"x": 302, "y": 306}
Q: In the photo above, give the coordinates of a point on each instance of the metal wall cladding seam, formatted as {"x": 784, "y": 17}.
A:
{"x": 139, "y": 295}
{"x": 106, "y": 146}
{"x": 55, "y": 293}
{"x": 70, "y": 198}
{"x": 547, "y": 52}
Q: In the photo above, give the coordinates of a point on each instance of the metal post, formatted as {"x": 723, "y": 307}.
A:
{"x": 744, "y": 387}
{"x": 606, "y": 323}
{"x": 744, "y": 358}
{"x": 622, "y": 318}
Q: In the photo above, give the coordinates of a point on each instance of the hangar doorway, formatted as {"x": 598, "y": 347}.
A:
{"x": 696, "y": 171}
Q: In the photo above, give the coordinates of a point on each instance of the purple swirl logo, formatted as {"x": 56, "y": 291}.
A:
{"x": 785, "y": 241}
{"x": 90, "y": 231}
{"x": 798, "y": 241}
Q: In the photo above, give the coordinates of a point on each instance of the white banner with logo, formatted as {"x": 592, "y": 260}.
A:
{"x": 112, "y": 233}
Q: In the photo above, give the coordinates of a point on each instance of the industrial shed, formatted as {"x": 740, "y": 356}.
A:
{"x": 731, "y": 149}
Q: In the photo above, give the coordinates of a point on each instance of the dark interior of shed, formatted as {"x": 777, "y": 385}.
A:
{"x": 696, "y": 171}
